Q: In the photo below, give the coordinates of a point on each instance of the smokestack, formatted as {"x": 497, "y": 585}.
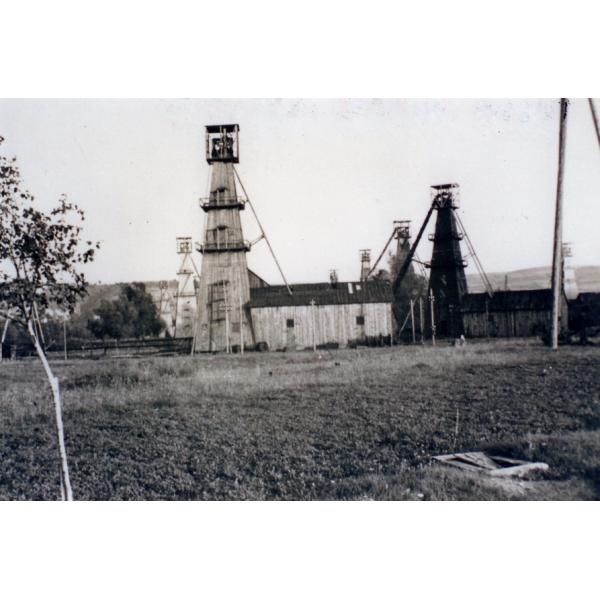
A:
{"x": 333, "y": 278}
{"x": 365, "y": 264}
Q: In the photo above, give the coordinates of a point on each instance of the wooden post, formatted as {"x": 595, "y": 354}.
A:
{"x": 421, "y": 320}
{"x": 241, "y": 321}
{"x": 226, "y": 307}
{"x": 312, "y": 313}
{"x": 431, "y": 301}
{"x": 226, "y": 328}
{"x": 557, "y": 259}
{"x": 65, "y": 338}
{"x": 404, "y": 324}
{"x": 412, "y": 320}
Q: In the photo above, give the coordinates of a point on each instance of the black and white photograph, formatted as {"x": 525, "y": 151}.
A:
{"x": 323, "y": 300}
{"x": 299, "y": 300}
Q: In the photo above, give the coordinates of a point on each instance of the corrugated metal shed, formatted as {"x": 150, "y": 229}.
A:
{"x": 506, "y": 301}
{"x": 360, "y": 292}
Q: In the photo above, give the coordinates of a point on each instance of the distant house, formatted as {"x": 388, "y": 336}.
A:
{"x": 521, "y": 313}
{"x": 321, "y": 314}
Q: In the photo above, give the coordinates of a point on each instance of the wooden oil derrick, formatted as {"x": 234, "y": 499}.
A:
{"x": 413, "y": 284}
{"x": 167, "y": 307}
{"x": 185, "y": 298}
{"x": 447, "y": 281}
{"x": 406, "y": 285}
{"x": 224, "y": 287}
{"x": 402, "y": 237}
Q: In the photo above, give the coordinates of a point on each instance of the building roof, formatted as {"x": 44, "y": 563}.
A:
{"x": 588, "y": 298}
{"x": 359, "y": 292}
{"x": 255, "y": 280}
{"x": 509, "y": 300}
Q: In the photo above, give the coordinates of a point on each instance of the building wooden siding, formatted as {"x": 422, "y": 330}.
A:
{"x": 292, "y": 326}
{"x": 523, "y": 323}
{"x": 584, "y": 311}
{"x": 511, "y": 314}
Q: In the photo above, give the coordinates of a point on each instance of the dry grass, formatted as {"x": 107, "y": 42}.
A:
{"x": 348, "y": 424}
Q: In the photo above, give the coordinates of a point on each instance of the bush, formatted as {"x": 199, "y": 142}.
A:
{"x": 132, "y": 315}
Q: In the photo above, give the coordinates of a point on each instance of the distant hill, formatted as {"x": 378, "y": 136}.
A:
{"x": 587, "y": 279}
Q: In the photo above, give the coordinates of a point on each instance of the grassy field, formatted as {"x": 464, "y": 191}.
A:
{"x": 349, "y": 424}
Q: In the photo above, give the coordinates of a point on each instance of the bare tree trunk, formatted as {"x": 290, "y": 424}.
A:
{"x": 65, "y": 482}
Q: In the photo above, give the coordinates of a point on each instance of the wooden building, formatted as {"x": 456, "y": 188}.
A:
{"x": 584, "y": 311}
{"x": 319, "y": 314}
{"x": 238, "y": 309}
{"x": 522, "y": 313}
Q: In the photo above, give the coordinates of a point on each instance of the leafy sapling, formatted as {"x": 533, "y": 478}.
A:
{"x": 40, "y": 259}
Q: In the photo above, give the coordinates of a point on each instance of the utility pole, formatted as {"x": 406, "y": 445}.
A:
{"x": 412, "y": 320}
{"x": 421, "y": 320}
{"x": 557, "y": 258}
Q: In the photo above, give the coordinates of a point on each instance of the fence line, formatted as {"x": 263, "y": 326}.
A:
{"x": 100, "y": 348}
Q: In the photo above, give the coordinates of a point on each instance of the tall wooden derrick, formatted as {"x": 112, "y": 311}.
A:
{"x": 167, "y": 308}
{"x": 402, "y": 237}
{"x": 223, "y": 292}
{"x": 412, "y": 284}
{"x": 447, "y": 281}
{"x": 406, "y": 285}
{"x": 415, "y": 278}
{"x": 185, "y": 298}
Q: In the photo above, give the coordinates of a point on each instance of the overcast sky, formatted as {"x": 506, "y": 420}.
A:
{"x": 327, "y": 177}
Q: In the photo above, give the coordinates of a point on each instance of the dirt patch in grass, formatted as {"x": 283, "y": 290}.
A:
{"x": 299, "y": 426}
